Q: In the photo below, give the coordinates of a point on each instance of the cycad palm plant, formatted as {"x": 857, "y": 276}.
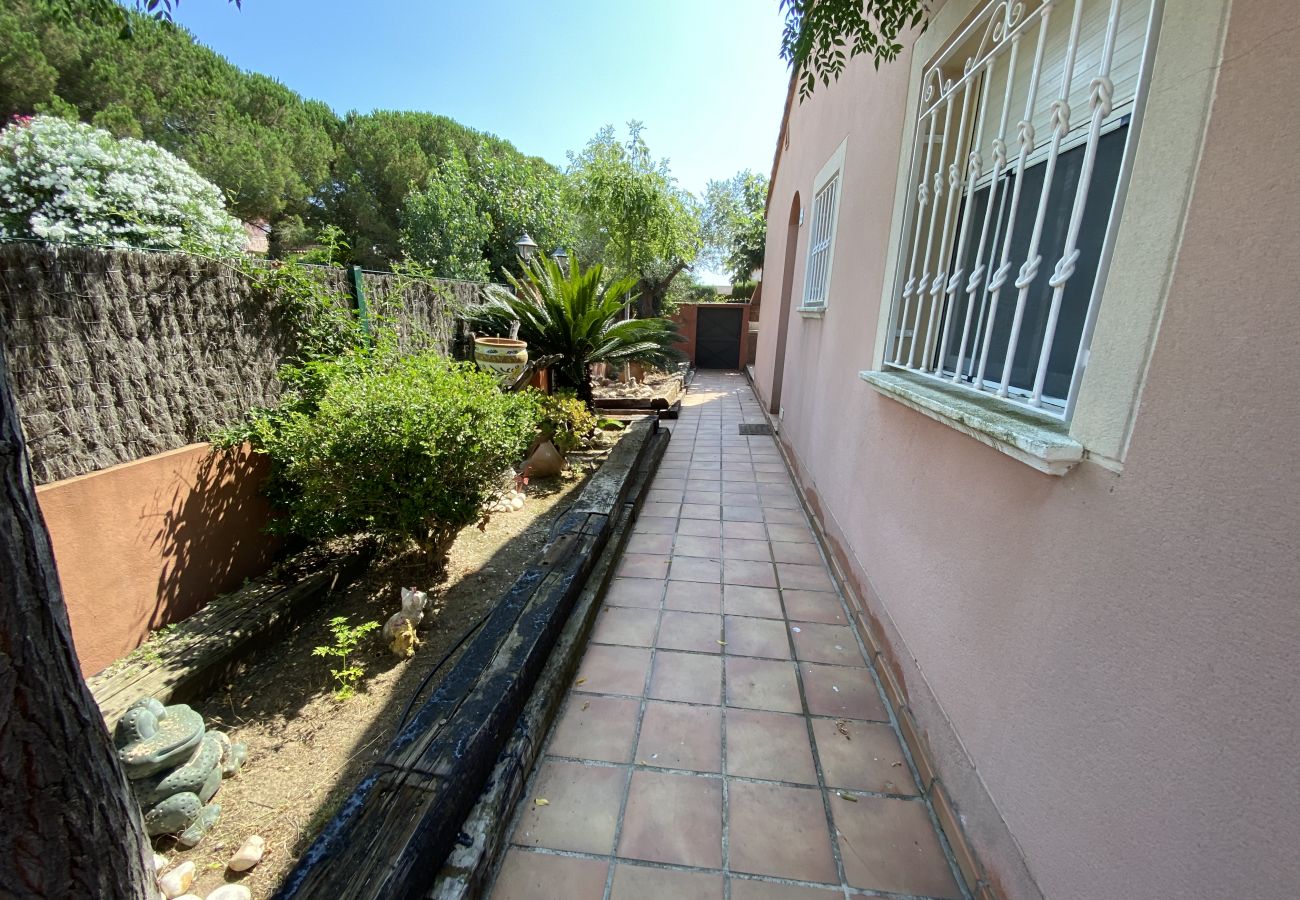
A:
{"x": 578, "y": 318}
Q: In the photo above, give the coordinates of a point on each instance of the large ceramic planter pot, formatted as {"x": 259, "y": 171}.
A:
{"x": 503, "y": 357}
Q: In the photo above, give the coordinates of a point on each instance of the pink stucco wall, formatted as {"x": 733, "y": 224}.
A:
{"x": 1107, "y": 664}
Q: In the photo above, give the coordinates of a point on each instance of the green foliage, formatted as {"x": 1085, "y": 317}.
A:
{"x": 383, "y": 156}
{"x": 632, "y": 214}
{"x": 578, "y": 317}
{"x": 444, "y": 226}
{"x": 817, "y": 32}
{"x": 743, "y": 290}
{"x": 566, "y": 421}
{"x": 404, "y": 448}
{"x": 735, "y": 222}
{"x": 265, "y": 146}
{"x": 346, "y": 638}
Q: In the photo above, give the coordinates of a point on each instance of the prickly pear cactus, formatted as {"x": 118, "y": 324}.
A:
{"x": 175, "y": 767}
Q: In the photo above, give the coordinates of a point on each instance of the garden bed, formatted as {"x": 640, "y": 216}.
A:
{"x": 654, "y": 390}
{"x": 307, "y": 750}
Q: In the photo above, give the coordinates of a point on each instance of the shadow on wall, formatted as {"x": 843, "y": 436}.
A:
{"x": 150, "y": 542}
{"x": 210, "y": 532}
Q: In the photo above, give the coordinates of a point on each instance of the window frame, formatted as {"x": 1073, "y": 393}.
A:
{"x": 831, "y": 171}
{"x": 1155, "y": 185}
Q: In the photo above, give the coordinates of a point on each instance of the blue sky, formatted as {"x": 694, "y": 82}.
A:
{"x": 704, "y": 76}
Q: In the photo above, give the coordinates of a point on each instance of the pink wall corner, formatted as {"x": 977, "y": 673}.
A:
{"x": 150, "y": 542}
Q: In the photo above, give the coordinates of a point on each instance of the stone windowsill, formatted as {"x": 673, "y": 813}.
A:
{"x": 1034, "y": 439}
{"x": 811, "y": 312}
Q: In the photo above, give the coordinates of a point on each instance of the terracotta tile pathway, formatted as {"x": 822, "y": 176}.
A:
{"x": 723, "y": 715}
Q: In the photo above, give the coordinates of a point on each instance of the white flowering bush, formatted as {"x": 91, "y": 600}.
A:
{"x": 65, "y": 182}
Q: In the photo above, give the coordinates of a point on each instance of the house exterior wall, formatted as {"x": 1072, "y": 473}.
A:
{"x": 148, "y": 543}
{"x": 1104, "y": 664}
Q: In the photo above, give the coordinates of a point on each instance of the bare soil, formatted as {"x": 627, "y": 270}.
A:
{"x": 307, "y": 750}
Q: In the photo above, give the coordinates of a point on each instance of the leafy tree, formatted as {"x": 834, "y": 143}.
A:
{"x": 577, "y": 316}
{"x": 632, "y": 214}
{"x": 735, "y": 222}
{"x": 267, "y": 148}
{"x": 445, "y": 226}
{"x": 465, "y": 221}
{"x": 817, "y": 32}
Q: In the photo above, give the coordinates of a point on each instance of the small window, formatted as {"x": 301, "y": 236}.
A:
{"x": 1021, "y": 137}
{"x": 821, "y": 238}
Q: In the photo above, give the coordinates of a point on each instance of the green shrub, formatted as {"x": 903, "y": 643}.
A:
{"x": 403, "y": 448}
{"x": 566, "y": 421}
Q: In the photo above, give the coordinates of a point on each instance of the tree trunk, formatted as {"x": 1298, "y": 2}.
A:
{"x": 652, "y": 292}
{"x": 69, "y": 826}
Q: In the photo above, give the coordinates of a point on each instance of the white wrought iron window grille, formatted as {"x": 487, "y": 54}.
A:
{"x": 820, "y": 236}
{"x": 1021, "y": 139}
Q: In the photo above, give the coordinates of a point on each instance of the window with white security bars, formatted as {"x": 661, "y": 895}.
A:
{"x": 821, "y": 236}
{"x": 1020, "y": 145}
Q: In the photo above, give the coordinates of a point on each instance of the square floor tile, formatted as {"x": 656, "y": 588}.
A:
{"x": 699, "y": 511}
{"x": 762, "y": 684}
{"x": 890, "y": 845}
{"x": 749, "y": 889}
{"x": 814, "y": 606}
{"x": 654, "y": 525}
{"x": 746, "y": 636}
{"x": 645, "y": 593}
{"x": 805, "y": 554}
{"x": 662, "y": 483}
{"x": 742, "y": 514}
{"x": 613, "y": 670}
{"x": 750, "y": 531}
{"x": 768, "y": 745}
{"x": 633, "y": 882}
{"x": 642, "y": 565}
{"x": 686, "y": 678}
{"x": 678, "y": 736}
{"x": 804, "y": 578}
{"x": 753, "y": 573}
{"x": 699, "y": 527}
{"x": 741, "y": 600}
{"x": 693, "y": 545}
{"x": 778, "y": 830}
{"x": 710, "y": 497}
{"x": 626, "y": 625}
{"x": 703, "y": 482}
{"x": 790, "y": 532}
{"x": 582, "y": 806}
{"x": 835, "y": 644}
{"x": 740, "y": 548}
{"x": 662, "y": 495}
{"x": 601, "y": 728}
{"x": 740, "y": 498}
{"x": 778, "y": 502}
{"x": 665, "y": 510}
{"x": 660, "y": 544}
{"x": 696, "y": 632}
{"x": 862, "y": 756}
{"x": 842, "y": 692}
{"x": 540, "y": 876}
{"x": 673, "y": 819}
{"x": 693, "y": 596}
{"x": 695, "y": 568}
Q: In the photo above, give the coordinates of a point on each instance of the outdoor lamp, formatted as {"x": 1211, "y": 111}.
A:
{"x": 526, "y": 246}
{"x": 561, "y": 258}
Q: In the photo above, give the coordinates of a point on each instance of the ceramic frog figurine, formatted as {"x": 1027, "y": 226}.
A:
{"x": 175, "y": 767}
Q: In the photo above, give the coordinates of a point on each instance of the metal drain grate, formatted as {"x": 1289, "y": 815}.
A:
{"x": 756, "y": 429}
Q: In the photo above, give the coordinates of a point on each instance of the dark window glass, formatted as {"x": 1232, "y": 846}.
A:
{"x": 1078, "y": 290}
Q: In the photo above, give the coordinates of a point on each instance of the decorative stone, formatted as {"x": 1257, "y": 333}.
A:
{"x": 247, "y": 856}
{"x": 545, "y": 462}
{"x": 517, "y": 503}
{"x": 176, "y": 882}
{"x": 175, "y": 767}
{"x": 159, "y": 862}
{"x": 231, "y": 892}
{"x": 151, "y": 738}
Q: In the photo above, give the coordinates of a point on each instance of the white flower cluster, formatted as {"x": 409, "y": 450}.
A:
{"x": 65, "y": 182}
